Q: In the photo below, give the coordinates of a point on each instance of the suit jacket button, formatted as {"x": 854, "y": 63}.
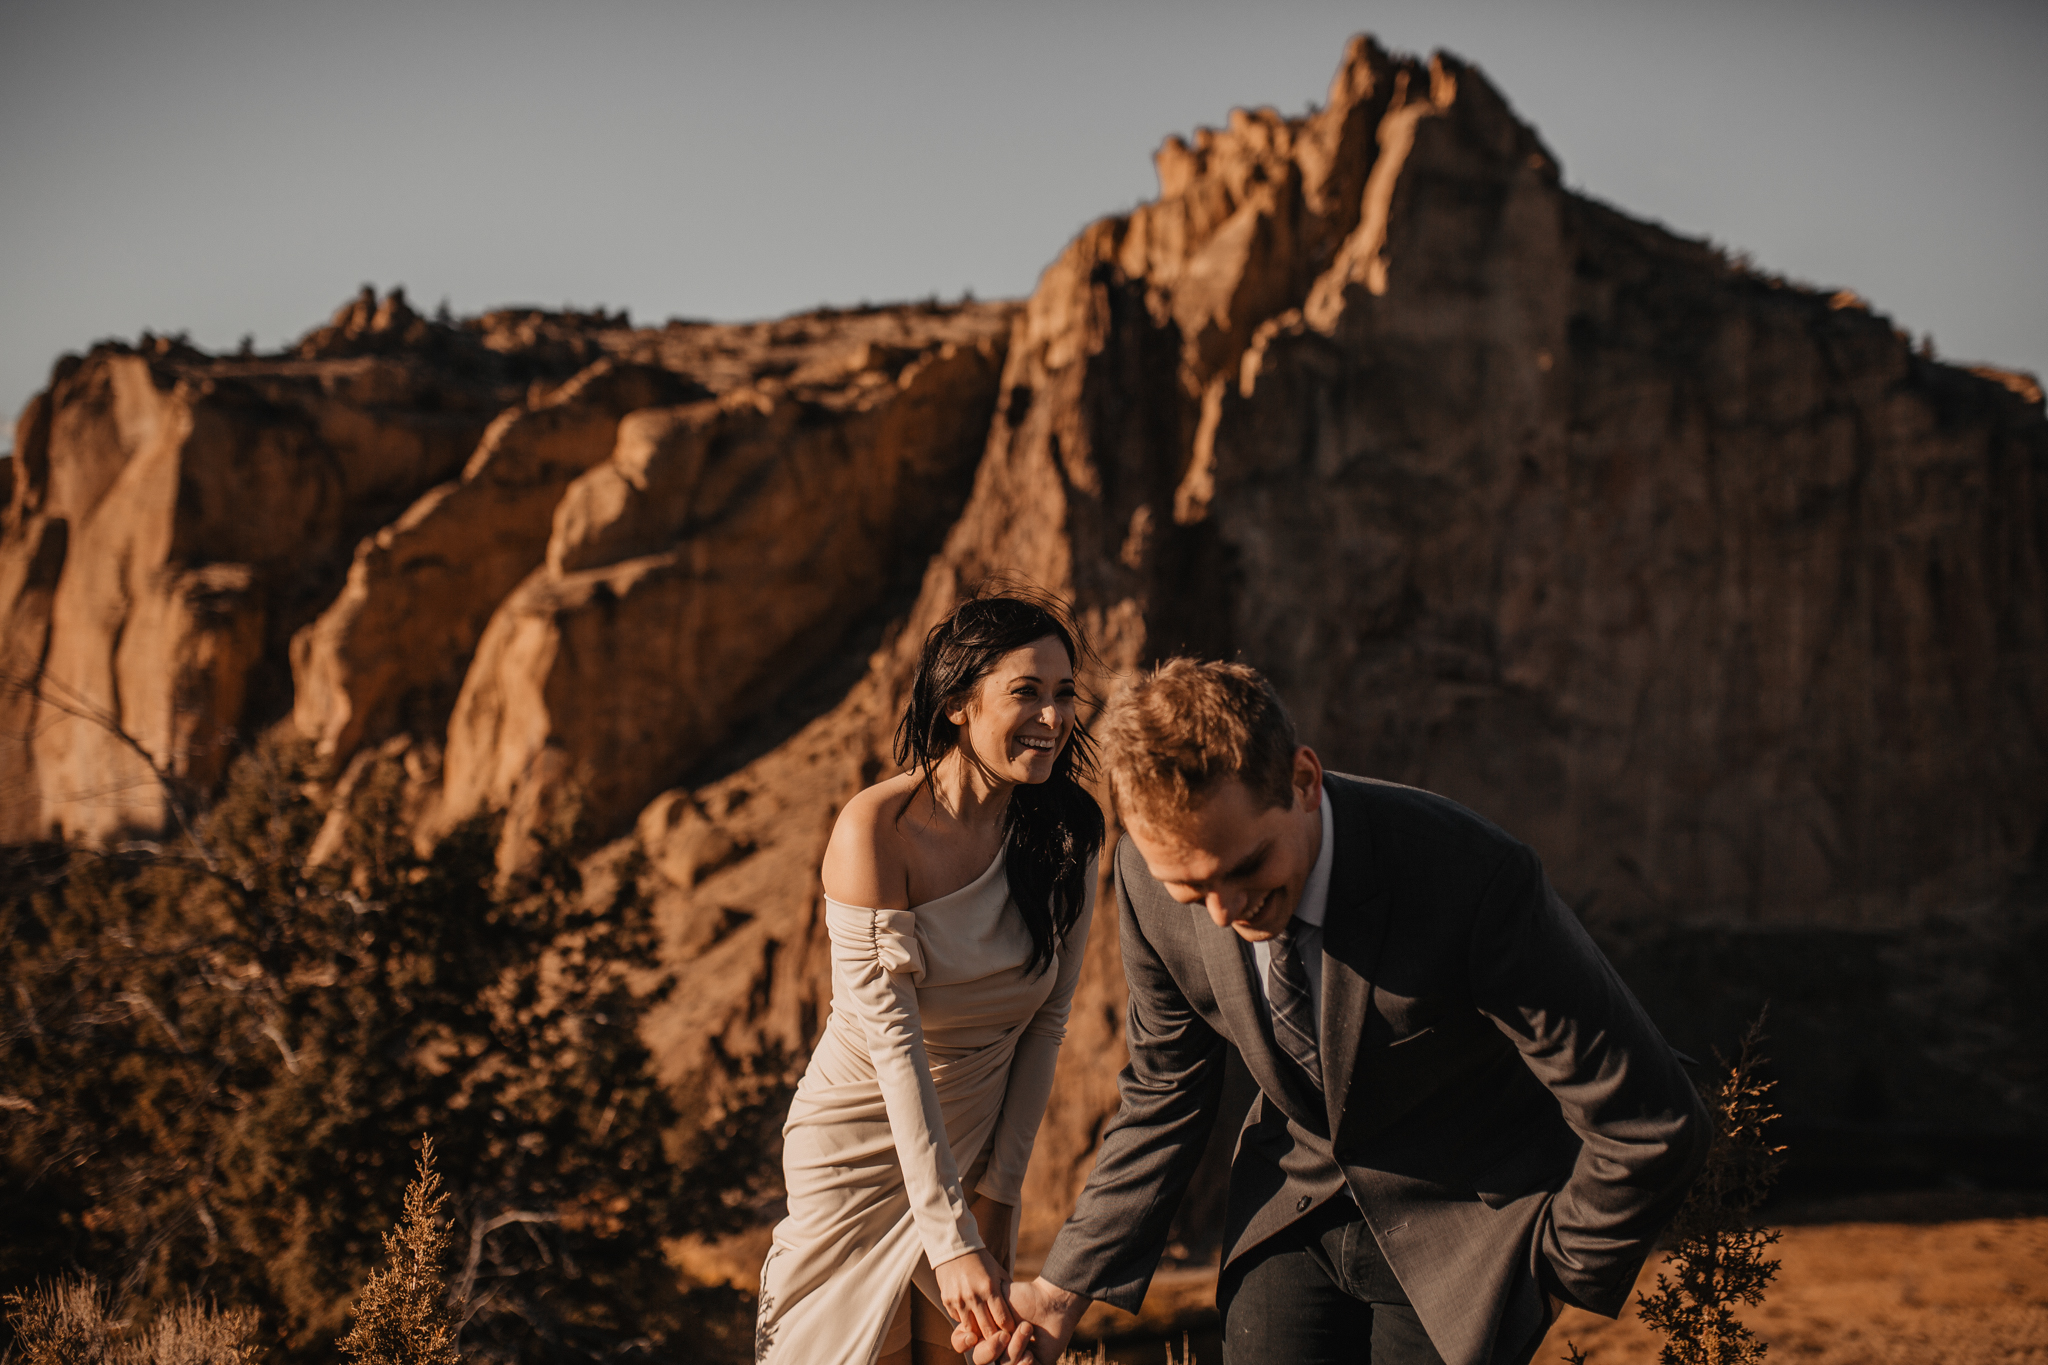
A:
{"x": 1301, "y": 1204}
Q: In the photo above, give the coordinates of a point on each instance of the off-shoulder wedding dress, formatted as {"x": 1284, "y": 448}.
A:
{"x": 936, "y": 1061}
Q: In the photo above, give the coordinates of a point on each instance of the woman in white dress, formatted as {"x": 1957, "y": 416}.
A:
{"x": 958, "y": 898}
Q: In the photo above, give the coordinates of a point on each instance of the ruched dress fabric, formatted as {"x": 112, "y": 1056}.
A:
{"x": 937, "y": 1059}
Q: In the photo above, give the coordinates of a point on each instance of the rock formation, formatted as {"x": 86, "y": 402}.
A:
{"x": 198, "y": 545}
{"x": 1703, "y": 583}
{"x": 174, "y": 519}
{"x": 725, "y": 548}
{"x": 432, "y": 578}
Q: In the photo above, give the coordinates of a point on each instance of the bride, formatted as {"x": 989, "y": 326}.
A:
{"x": 957, "y": 898}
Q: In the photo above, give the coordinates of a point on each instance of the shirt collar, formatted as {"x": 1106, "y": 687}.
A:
{"x": 1315, "y": 893}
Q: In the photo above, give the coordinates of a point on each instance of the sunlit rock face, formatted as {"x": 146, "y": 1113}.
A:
{"x": 174, "y": 519}
{"x": 723, "y": 550}
{"x": 200, "y": 547}
{"x": 1701, "y": 582}
{"x": 420, "y": 590}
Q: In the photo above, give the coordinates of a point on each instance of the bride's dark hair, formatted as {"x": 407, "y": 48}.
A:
{"x": 1053, "y": 827}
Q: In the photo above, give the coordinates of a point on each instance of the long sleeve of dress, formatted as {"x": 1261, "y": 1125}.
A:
{"x": 877, "y": 961}
{"x": 1031, "y": 1071}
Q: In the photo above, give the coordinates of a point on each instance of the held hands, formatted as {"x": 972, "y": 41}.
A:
{"x": 973, "y": 1290}
{"x": 1048, "y": 1315}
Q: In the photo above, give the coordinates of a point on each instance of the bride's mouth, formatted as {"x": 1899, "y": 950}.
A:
{"x": 1044, "y": 744}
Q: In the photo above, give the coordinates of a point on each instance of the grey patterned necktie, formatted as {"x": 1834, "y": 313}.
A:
{"x": 1294, "y": 1011}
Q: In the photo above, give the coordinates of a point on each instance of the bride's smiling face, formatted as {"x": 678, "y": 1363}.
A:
{"x": 1021, "y": 713}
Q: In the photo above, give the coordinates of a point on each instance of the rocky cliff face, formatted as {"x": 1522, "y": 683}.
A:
{"x": 1701, "y": 582}
{"x": 562, "y": 550}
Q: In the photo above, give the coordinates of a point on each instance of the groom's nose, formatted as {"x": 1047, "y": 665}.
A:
{"x": 1224, "y": 906}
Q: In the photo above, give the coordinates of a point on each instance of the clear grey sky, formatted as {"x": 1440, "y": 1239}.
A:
{"x": 240, "y": 166}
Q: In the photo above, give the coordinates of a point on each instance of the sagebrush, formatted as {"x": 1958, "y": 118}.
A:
{"x": 72, "y": 1323}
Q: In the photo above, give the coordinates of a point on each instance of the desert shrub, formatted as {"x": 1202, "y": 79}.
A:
{"x": 70, "y": 1323}
{"x": 66, "y": 1323}
{"x": 216, "y": 1058}
{"x": 192, "y": 1333}
{"x": 1717, "y": 1259}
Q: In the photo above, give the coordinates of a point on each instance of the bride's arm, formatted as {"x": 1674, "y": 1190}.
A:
{"x": 876, "y": 964}
{"x": 1031, "y": 1073}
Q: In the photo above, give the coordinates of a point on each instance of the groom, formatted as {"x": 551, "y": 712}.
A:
{"x": 1464, "y": 1116}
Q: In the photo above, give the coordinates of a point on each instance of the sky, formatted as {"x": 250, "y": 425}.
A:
{"x": 240, "y": 167}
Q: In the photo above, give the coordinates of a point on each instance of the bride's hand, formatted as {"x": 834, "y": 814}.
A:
{"x": 974, "y": 1290}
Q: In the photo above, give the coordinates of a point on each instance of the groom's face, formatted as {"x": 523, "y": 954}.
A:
{"x": 1242, "y": 861}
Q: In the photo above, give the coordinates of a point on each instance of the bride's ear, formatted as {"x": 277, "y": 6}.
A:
{"x": 959, "y": 708}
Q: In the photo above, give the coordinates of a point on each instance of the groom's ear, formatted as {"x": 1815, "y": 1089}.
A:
{"x": 1308, "y": 780}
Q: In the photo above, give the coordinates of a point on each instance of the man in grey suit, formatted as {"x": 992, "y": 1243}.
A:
{"x": 1464, "y": 1116}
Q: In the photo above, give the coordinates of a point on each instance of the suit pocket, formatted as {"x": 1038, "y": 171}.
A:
{"x": 1538, "y": 1162}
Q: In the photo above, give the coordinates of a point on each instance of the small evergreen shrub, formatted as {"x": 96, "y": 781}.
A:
{"x": 1717, "y": 1260}
{"x": 402, "y": 1315}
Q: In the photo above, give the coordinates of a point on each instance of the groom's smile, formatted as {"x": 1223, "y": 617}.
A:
{"x": 1245, "y": 865}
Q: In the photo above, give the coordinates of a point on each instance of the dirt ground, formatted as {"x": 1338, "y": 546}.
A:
{"x": 1921, "y": 1279}
{"x": 1913, "y": 1279}
{"x": 1892, "y": 1281}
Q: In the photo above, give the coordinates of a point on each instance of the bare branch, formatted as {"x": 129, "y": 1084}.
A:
{"x": 479, "y": 1229}
{"x": 149, "y": 1007}
{"x": 51, "y": 691}
{"x": 276, "y": 1035}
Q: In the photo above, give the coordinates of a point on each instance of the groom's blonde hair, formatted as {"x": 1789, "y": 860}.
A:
{"x": 1178, "y": 732}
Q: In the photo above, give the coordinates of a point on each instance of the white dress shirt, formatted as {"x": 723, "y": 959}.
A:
{"x": 1315, "y": 904}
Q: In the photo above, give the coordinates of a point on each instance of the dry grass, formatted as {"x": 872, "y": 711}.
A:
{"x": 195, "y": 1334}
{"x": 1100, "y": 1355}
{"x": 63, "y": 1324}
{"x": 72, "y": 1323}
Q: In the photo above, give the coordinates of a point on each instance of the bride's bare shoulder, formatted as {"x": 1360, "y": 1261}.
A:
{"x": 867, "y": 863}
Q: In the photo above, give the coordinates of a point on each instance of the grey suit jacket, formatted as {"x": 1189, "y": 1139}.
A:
{"x": 1504, "y": 1113}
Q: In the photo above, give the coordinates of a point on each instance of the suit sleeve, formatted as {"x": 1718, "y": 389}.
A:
{"x": 1642, "y": 1125}
{"x": 1168, "y": 1098}
{"x": 1031, "y": 1069}
{"x": 876, "y": 962}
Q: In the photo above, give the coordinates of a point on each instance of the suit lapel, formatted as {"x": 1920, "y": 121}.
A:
{"x": 1354, "y": 930}
{"x": 1233, "y": 976}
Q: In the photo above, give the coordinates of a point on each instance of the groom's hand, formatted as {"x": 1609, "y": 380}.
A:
{"x": 1048, "y": 1314}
